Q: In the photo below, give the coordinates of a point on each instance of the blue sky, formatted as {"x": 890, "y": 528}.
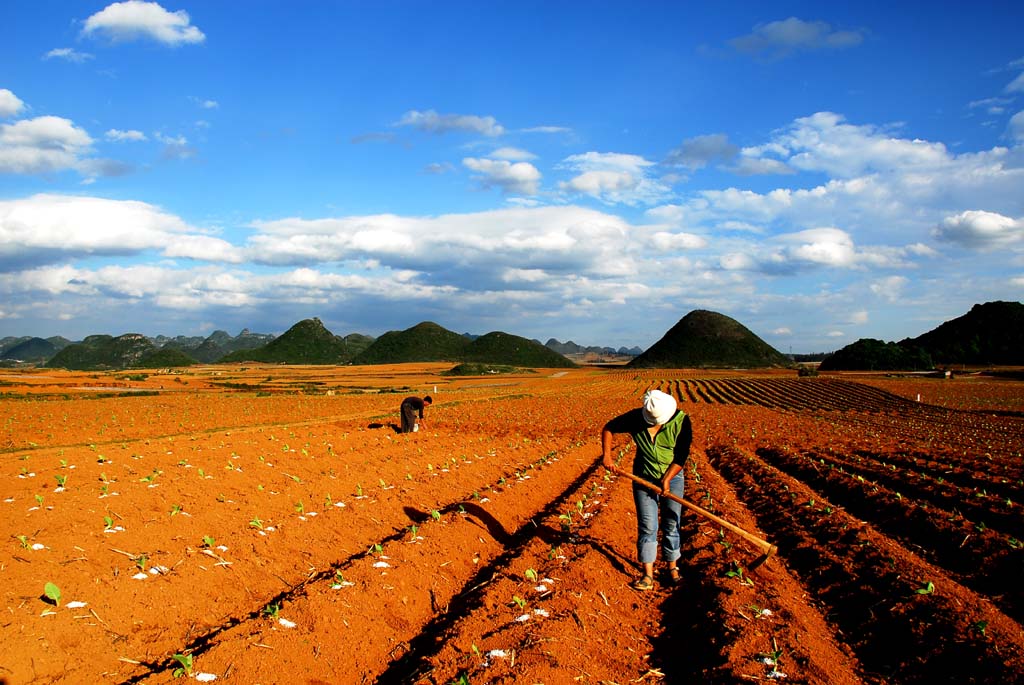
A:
{"x": 588, "y": 171}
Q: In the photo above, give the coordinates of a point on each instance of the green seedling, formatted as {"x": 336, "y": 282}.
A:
{"x": 519, "y": 601}
{"x": 208, "y": 541}
{"x": 980, "y": 627}
{"x": 531, "y": 575}
{"x": 23, "y": 539}
{"x": 327, "y": 500}
{"x": 436, "y": 515}
{"x": 61, "y": 480}
{"x": 383, "y": 484}
{"x": 186, "y": 665}
{"x": 176, "y": 509}
{"x": 926, "y": 589}
{"x": 737, "y": 572}
{"x": 413, "y": 529}
{"x": 300, "y": 508}
{"x": 108, "y": 523}
{"x": 52, "y": 593}
{"x": 141, "y": 562}
{"x": 39, "y": 500}
{"x": 272, "y": 610}
{"x": 256, "y": 523}
{"x": 294, "y": 478}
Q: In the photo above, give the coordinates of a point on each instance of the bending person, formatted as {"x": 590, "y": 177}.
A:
{"x": 662, "y": 434}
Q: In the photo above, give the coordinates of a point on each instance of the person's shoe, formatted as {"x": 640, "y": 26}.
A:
{"x": 643, "y": 583}
{"x": 674, "y": 576}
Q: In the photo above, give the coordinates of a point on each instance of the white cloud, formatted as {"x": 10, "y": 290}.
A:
{"x": 613, "y": 178}
{"x": 1016, "y": 127}
{"x": 48, "y": 228}
{"x": 512, "y": 154}
{"x": 889, "y": 288}
{"x": 10, "y": 104}
{"x": 783, "y": 331}
{"x": 135, "y": 19}
{"x": 1016, "y": 85}
{"x": 432, "y": 122}
{"x": 824, "y": 142}
{"x": 469, "y": 249}
{"x": 520, "y": 177}
{"x": 760, "y": 166}
{"x": 859, "y": 317}
{"x": 123, "y": 136}
{"x": 41, "y": 145}
{"x": 781, "y": 38}
{"x": 665, "y": 241}
{"x": 698, "y": 152}
{"x": 980, "y": 230}
{"x": 69, "y": 54}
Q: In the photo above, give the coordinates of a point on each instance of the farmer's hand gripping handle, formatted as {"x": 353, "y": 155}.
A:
{"x": 765, "y": 546}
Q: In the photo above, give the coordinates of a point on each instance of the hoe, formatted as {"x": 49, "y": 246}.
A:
{"x": 765, "y": 546}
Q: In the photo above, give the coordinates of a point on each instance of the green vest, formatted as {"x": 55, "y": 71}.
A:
{"x": 653, "y": 457}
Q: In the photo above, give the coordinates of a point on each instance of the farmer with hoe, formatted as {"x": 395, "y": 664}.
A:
{"x": 662, "y": 435}
{"x": 411, "y": 409}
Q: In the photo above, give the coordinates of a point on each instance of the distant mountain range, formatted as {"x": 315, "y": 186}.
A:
{"x": 991, "y": 333}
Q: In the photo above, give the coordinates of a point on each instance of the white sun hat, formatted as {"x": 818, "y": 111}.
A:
{"x": 658, "y": 407}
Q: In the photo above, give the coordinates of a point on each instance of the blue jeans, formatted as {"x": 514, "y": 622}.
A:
{"x": 647, "y": 511}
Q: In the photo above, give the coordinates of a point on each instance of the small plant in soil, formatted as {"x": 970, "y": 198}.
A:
{"x": 108, "y": 523}
{"x": 208, "y": 541}
{"x": 979, "y": 627}
{"x": 39, "y": 500}
{"x": 531, "y": 575}
{"x": 926, "y": 589}
{"x": 61, "y": 480}
{"x": 737, "y": 572}
{"x": 185, "y": 669}
{"x": 52, "y": 593}
{"x": 256, "y": 523}
{"x": 519, "y": 601}
{"x": 176, "y": 509}
{"x": 272, "y": 610}
{"x": 300, "y": 508}
{"x": 436, "y": 515}
{"x": 23, "y": 539}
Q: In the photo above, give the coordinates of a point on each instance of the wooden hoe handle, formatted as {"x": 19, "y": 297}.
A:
{"x": 765, "y": 546}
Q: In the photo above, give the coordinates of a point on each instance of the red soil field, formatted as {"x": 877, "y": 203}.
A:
{"x": 266, "y": 524}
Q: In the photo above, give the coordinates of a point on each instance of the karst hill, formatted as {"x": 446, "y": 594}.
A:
{"x": 706, "y": 339}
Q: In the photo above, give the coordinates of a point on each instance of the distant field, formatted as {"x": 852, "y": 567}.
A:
{"x": 261, "y": 519}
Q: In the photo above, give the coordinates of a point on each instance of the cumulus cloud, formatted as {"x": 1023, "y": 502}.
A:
{"x": 520, "y": 177}
{"x": 613, "y": 178}
{"x": 1016, "y": 127}
{"x": 825, "y": 142}
{"x": 778, "y": 39}
{"x": 1016, "y": 85}
{"x": 68, "y": 54}
{"x": 760, "y": 166}
{"x": 697, "y": 153}
{"x": 432, "y": 122}
{"x": 50, "y": 228}
{"x": 667, "y": 241}
{"x": 980, "y": 230}
{"x": 464, "y": 249}
{"x": 135, "y": 19}
{"x": 512, "y": 154}
{"x": 41, "y": 145}
{"x": 818, "y": 248}
{"x": 119, "y": 136}
{"x": 889, "y": 288}
{"x": 10, "y": 104}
